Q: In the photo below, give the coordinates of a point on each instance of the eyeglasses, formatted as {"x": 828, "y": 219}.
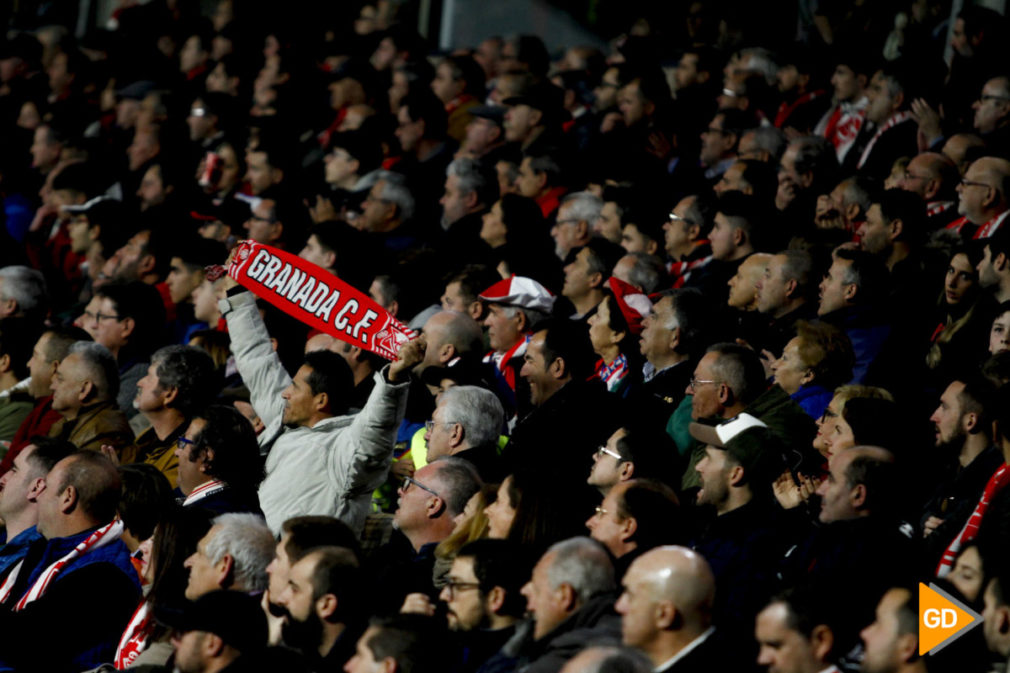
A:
{"x": 674, "y": 217}
{"x": 99, "y": 317}
{"x": 453, "y": 587}
{"x": 602, "y": 450}
{"x": 600, "y": 511}
{"x": 912, "y": 176}
{"x": 969, "y": 183}
{"x": 567, "y": 221}
{"x": 407, "y": 481}
{"x": 430, "y": 425}
{"x": 986, "y": 97}
{"x": 730, "y": 93}
{"x": 198, "y": 112}
{"x": 182, "y": 443}
{"x": 695, "y": 382}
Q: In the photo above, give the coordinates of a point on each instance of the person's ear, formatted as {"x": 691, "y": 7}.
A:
{"x": 84, "y": 393}
{"x": 736, "y": 475}
{"x": 851, "y": 290}
{"x": 557, "y": 369}
{"x": 170, "y": 396}
{"x": 128, "y": 327}
{"x": 456, "y": 434}
{"x": 495, "y": 600}
{"x": 5, "y": 362}
{"x": 1000, "y": 262}
{"x": 807, "y": 377}
{"x": 326, "y": 605}
{"x": 207, "y": 458}
{"x": 666, "y": 615}
{"x": 791, "y": 287}
{"x": 320, "y": 401}
{"x": 626, "y": 471}
{"x": 851, "y": 212}
{"x": 858, "y": 495}
{"x": 628, "y": 528}
{"x": 896, "y": 226}
{"x": 146, "y": 264}
{"x": 68, "y": 499}
{"x": 224, "y": 570}
{"x": 565, "y": 597}
{"x": 693, "y": 232}
{"x": 822, "y": 641}
{"x": 212, "y": 645}
{"x": 329, "y": 259}
{"x": 969, "y": 421}
{"x": 651, "y": 247}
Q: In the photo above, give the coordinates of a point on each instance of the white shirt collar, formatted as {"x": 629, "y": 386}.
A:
{"x": 684, "y": 651}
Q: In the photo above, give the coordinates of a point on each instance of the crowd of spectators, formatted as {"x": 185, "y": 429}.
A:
{"x": 712, "y": 341}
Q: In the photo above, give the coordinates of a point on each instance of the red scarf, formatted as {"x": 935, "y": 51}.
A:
{"x": 997, "y": 481}
{"x": 681, "y": 271}
{"x": 787, "y": 109}
{"x": 991, "y": 227}
{"x": 843, "y": 126}
{"x": 317, "y": 298}
{"x": 501, "y": 360}
{"x": 136, "y": 636}
{"x": 105, "y": 535}
{"x": 897, "y": 118}
{"x": 934, "y": 208}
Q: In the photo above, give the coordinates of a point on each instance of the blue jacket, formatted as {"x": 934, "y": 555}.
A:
{"x": 813, "y": 399}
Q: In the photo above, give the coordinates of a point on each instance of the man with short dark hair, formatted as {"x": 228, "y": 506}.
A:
{"x": 963, "y": 424}
{"x": 796, "y": 633}
{"x": 720, "y": 140}
{"x": 20, "y": 513}
{"x": 587, "y": 270}
{"x": 994, "y": 268}
{"x": 891, "y": 642}
{"x": 784, "y": 292}
{"x": 320, "y": 602}
{"x": 735, "y": 234}
{"x": 220, "y": 631}
{"x": 634, "y": 517}
{"x": 891, "y": 131}
{"x": 400, "y": 644}
{"x": 470, "y": 190}
{"x": 634, "y": 452}
{"x": 320, "y": 461}
{"x": 569, "y": 410}
{"x": 219, "y": 466}
{"x": 76, "y": 513}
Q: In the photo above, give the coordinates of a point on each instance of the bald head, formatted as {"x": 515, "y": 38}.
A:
{"x": 449, "y": 335}
{"x": 957, "y": 147}
{"x": 681, "y": 576}
{"x": 931, "y": 175}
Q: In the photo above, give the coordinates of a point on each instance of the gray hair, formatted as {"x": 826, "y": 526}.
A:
{"x": 583, "y": 564}
{"x": 533, "y": 316}
{"x": 615, "y": 659}
{"x": 394, "y": 190}
{"x": 24, "y": 285}
{"x": 100, "y": 368}
{"x": 247, "y": 539}
{"x": 189, "y": 370}
{"x": 646, "y": 272}
{"x": 798, "y": 266}
{"x": 478, "y": 410}
{"x": 858, "y": 190}
{"x": 770, "y": 140}
{"x": 761, "y": 61}
{"x": 583, "y": 206}
{"x": 458, "y": 481}
{"x": 471, "y": 177}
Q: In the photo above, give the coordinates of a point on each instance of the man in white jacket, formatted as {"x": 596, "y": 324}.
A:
{"x": 318, "y": 460}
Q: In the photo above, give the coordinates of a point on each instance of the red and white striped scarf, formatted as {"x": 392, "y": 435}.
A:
{"x": 105, "y": 535}
{"x": 501, "y": 360}
{"x": 958, "y": 224}
{"x": 997, "y": 481}
{"x": 204, "y": 490}
{"x": 136, "y": 637}
{"x": 991, "y": 227}
{"x": 934, "y": 208}
{"x": 896, "y": 118}
{"x": 681, "y": 271}
{"x": 843, "y": 125}
{"x": 614, "y": 373}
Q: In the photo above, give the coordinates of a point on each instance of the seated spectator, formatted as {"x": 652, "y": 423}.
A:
{"x": 467, "y": 423}
{"x": 813, "y": 364}
{"x": 835, "y": 409}
{"x": 22, "y": 293}
{"x": 613, "y": 326}
{"x": 17, "y": 337}
{"x": 76, "y": 510}
{"x": 219, "y": 466}
{"x": 84, "y": 392}
{"x": 233, "y": 555}
{"x": 529, "y": 511}
{"x": 219, "y": 630}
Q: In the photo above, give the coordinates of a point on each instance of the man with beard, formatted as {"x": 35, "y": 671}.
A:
{"x": 482, "y": 600}
{"x": 740, "y": 543}
{"x": 963, "y": 434}
{"x": 319, "y": 601}
{"x": 994, "y": 269}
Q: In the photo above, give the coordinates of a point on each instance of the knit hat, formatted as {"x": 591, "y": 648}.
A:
{"x": 521, "y": 292}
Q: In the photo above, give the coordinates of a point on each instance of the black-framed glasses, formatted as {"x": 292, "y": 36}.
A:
{"x": 453, "y": 587}
{"x": 407, "y": 481}
{"x": 99, "y": 317}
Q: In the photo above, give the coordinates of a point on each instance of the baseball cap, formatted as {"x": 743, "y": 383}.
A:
{"x": 744, "y": 436}
{"x": 235, "y": 617}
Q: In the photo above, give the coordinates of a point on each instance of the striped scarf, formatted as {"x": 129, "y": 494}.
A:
{"x": 614, "y": 373}
{"x": 997, "y": 481}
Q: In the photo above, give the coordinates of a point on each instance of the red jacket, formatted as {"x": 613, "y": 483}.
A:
{"x": 37, "y": 422}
